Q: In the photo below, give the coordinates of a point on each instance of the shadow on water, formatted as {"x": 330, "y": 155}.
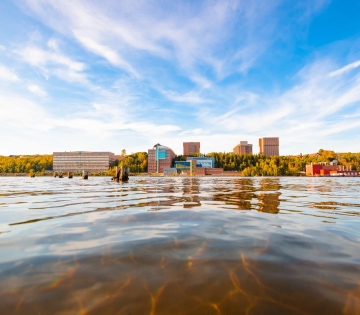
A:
{"x": 181, "y": 246}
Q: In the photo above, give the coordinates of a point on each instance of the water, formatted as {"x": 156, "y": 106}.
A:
{"x": 180, "y": 246}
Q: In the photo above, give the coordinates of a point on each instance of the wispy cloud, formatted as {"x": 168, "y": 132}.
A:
{"x": 36, "y": 90}
{"x": 305, "y": 110}
{"x": 190, "y": 98}
{"x": 7, "y": 74}
{"x": 19, "y": 112}
{"x": 142, "y": 72}
{"x": 106, "y": 52}
{"x": 347, "y": 68}
{"x": 41, "y": 58}
{"x": 192, "y": 33}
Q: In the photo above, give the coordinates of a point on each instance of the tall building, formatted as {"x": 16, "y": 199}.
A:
{"x": 191, "y": 147}
{"x": 243, "y": 148}
{"x": 269, "y": 146}
{"x": 159, "y": 158}
{"x": 82, "y": 160}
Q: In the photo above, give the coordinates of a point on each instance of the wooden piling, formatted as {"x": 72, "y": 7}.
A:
{"x": 116, "y": 178}
{"x": 124, "y": 176}
{"x": 85, "y": 175}
{"x": 61, "y": 175}
{"x": 121, "y": 174}
{"x": 70, "y": 175}
{"x": 55, "y": 174}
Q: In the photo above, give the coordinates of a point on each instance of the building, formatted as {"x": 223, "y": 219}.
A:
{"x": 191, "y": 148}
{"x": 243, "y": 148}
{"x": 170, "y": 171}
{"x": 269, "y": 146}
{"x": 82, "y": 160}
{"x": 323, "y": 169}
{"x": 159, "y": 158}
{"x": 191, "y": 168}
{"x": 202, "y": 161}
{"x": 198, "y": 166}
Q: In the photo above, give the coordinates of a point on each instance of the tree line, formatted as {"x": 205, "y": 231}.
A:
{"x": 26, "y": 164}
{"x": 256, "y": 164}
{"x": 249, "y": 165}
{"x": 137, "y": 162}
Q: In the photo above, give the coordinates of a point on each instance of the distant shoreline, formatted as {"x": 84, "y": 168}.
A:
{"x": 162, "y": 176}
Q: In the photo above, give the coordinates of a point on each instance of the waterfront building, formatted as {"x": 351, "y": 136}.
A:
{"x": 82, "y": 160}
{"x": 191, "y": 148}
{"x": 323, "y": 169}
{"x": 202, "y": 161}
{"x": 243, "y": 148}
{"x": 269, "y": 146}
{"x": 192, "y": 167}
{"x": 183, "y": 167}
{"x": 159, "y": 158}
{"x": 170, "y": 171}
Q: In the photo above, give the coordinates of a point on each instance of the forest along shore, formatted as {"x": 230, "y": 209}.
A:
{"x": 248, "y": 165}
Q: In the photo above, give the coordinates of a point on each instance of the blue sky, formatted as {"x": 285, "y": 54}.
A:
{"x": 112, "y": 75}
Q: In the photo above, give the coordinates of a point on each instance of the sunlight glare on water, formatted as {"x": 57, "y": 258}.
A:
{"x": 207, "y": 245}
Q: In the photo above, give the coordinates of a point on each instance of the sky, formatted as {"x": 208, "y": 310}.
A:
{"x": 110, "y": 75}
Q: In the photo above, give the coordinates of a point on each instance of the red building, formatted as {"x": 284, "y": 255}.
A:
{"x": 191, "y": 147}
{"x": 327, "y": 170}
{"x": 159, "y": 158}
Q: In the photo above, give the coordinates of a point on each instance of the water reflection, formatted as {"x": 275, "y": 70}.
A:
{"x": 180, "y": 246}
{"x": 269, "y": 203}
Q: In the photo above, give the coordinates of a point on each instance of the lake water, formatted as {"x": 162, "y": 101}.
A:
{"x": 180, "y": 246}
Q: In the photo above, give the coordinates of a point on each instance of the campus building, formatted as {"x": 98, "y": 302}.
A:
{"x": 192, "y": 168}
{"x": 243, "y": 148}
{"x": 82, "y": 160}
{"x": 159, "y": 158}
{"x": 323, "y": 169}
{"x": 191, "y": 147}
{"x": 269, "y": 146}
{"x": 202, "y": 161}
{"x": 198, "y": 166}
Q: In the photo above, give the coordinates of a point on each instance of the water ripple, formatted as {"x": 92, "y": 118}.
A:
{"x": 207, "y": 245}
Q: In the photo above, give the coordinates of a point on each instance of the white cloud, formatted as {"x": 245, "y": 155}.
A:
{"x": 19, "y": 112}
{"x": 105, "y": 121}
{"x": 192, "y": 34}
{"x": 53, "y": 62}
{"x": 8, "y": 75}
{"x": 190, "y": 97}
{"x": 190, "y": 53}
{"x": 106, "y": 52}
{"x": 313, "y": 107}
{"x": 347, "y": 68}
{"x": 53, "y": 44}
{"x": 2, "y": 47}
{"x": 41, "y": 58}
{"x": 36, "y": 90}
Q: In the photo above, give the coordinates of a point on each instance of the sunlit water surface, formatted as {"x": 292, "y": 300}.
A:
{"x": 180, "y": 246}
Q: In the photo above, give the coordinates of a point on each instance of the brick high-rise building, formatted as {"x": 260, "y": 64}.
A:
{"x": 159, "y": 158}
{"x": 243, "y": 148}
{"x": 191, "y": 147}
{"x": 269, "y": 146}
